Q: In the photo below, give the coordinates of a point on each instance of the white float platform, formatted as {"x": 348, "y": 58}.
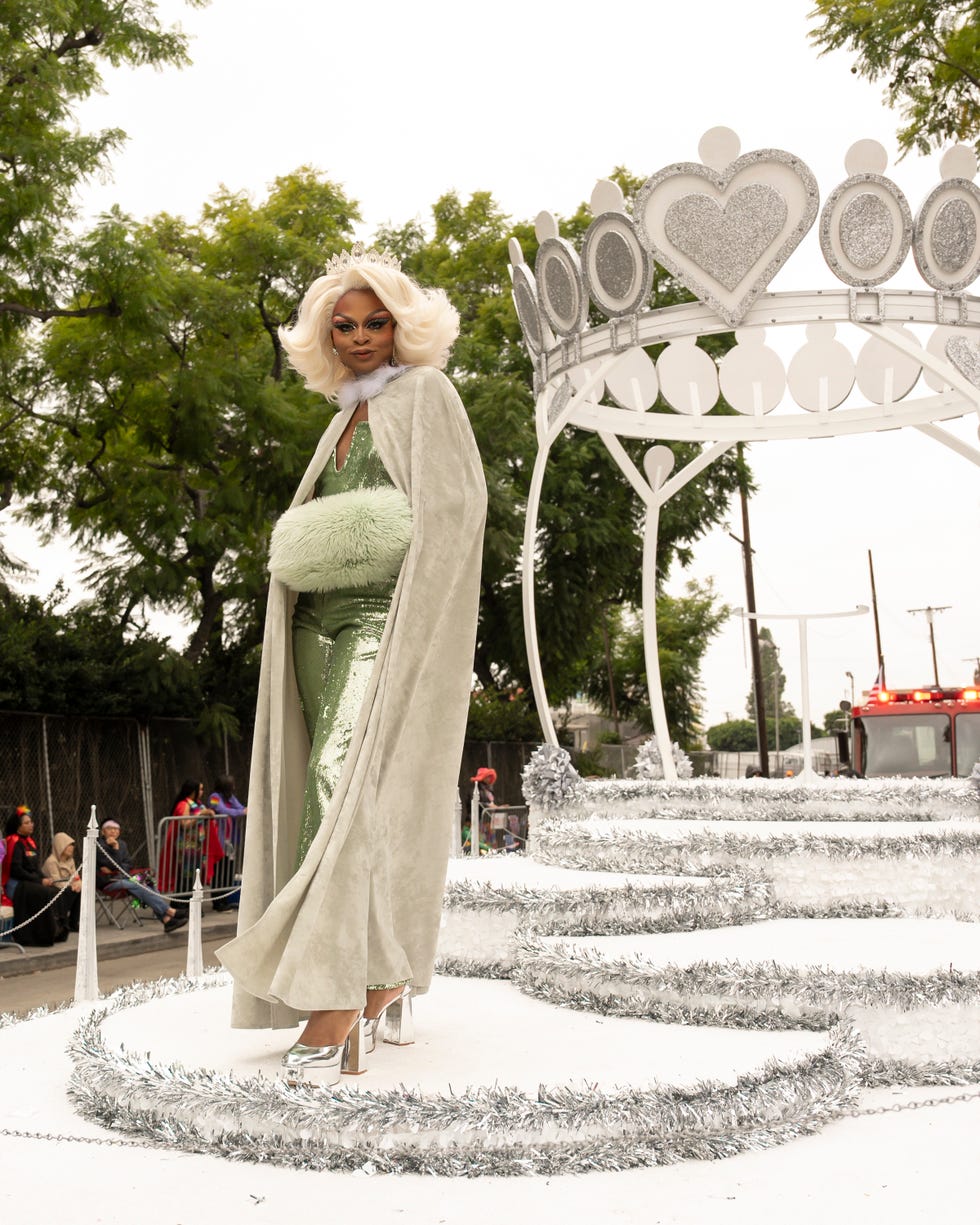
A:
{"x": 912, "y": 986}
{"x": 542, "y": 1090}
{"x": 532, "y": 1044}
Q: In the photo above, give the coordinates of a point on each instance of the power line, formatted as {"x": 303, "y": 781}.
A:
{"x": 929, "y": 612}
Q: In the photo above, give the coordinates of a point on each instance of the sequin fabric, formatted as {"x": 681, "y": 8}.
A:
{"x": 336, "y": 636}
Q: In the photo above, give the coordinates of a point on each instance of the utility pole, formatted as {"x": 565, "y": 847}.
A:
{"x": 762, "y": 737}
{"x": 930, "y": 613}
{"x": 874, "y": 608}
{"x": 974, "y": 659}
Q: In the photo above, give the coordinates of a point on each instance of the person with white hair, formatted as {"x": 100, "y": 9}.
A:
{"x": 366, "y": 670}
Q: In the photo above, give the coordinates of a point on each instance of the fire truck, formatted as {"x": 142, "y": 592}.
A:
{"x": 917, "y": 733}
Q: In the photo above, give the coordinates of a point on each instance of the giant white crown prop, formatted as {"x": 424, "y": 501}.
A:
{"x": 724, "y": 227}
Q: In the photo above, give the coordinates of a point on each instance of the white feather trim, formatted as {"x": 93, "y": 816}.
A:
{"x": 367, "y": 386}
{"x": 345, "y": 540}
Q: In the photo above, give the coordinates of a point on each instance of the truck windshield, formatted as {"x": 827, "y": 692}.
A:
{"x": 907, "y": 744}
{"x": 967, "y": 743}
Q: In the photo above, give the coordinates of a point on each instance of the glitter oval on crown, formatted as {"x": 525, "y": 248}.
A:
{"x": 617, "y": 268}
{"x": 946, "y": 241}
{"x": 866, "y": 222}
{"x": 561, "y": 292}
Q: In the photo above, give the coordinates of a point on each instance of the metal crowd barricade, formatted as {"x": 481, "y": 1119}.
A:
{"x": 501, "y": 828}
{"x": 211, "y": 845}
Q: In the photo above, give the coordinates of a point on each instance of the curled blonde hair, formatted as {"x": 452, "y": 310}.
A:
{"x": 426, "y": 323}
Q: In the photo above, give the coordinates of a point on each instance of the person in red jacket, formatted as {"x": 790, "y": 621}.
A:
{"x": 189, "y": 843}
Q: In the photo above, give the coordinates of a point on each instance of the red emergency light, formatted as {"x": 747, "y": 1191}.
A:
{"x": 885, "y": 697}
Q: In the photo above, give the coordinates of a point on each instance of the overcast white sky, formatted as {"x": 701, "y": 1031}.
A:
{"x": 402, "y": 102}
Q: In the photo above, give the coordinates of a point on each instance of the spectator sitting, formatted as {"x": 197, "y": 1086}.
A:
{"x": 61, "y": 868}
{"x": 115, "y": 875}
{"x": 31, "y": 891}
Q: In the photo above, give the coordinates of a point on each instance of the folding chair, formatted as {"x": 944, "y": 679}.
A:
{"x": 118, "y": 905}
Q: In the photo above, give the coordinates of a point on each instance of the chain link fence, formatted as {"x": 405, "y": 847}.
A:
{"x": 61, "y": 765}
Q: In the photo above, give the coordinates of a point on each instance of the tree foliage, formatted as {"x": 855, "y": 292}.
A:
{"x": 773, "y": 679}
{"x": 51, "y": 57}
{"x": 149, "y": 412}
{"x": 174, "y": 433}
{"x": 738, "y": 735}
{"x": 926, "y": 51}
{"x": 78, "y": 659}
{"x": 685, "y": 626}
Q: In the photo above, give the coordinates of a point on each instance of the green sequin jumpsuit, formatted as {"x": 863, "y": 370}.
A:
{"x": 336, "y": 636}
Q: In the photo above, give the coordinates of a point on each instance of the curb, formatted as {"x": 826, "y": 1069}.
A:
{"x": 34, "y": 960}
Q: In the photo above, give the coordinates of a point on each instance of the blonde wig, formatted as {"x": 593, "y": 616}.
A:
{"x": 426, "y": 323}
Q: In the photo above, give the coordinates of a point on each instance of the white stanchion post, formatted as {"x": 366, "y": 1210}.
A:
{"x": 475, "y": 823}
{"x": 455, "y": 832}
{"x": 87, "y": 964}
{"x": 195, "y": 952}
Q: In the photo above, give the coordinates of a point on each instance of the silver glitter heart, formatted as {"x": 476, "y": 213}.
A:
{"x": 726, "y": 242}
{"x": 714, "y": 243}
{"x": 965, "y": 356}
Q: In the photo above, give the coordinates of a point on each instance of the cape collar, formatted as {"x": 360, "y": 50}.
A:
{"x": 351, "y": 393}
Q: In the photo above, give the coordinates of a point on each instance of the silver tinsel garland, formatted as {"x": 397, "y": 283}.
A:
{"x": 549, "y": 779}
{"x": 767, "y": 984}
{"x": 878, "y": 1073}
{"x": 552, "y": 836}
{"x": 483, "y": 1131}
{"x": 892, "y": 799}
{"x": 629, "y": 909}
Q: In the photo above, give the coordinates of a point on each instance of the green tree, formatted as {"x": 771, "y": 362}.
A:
{"x": 51, "y": 55}
{"x": 174, "y": 432}
{"x": 738, "y": 735}
{"x": 926, "y": 51}
{"x": 685, "y": 626}
{"x": 773, "y": 680}
{"x": 78, "y": 660}
{"x": 733, "y": 736}
{"x": 834, "y": 721}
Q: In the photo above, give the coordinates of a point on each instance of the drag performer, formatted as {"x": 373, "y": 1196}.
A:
{"x": 366, "y": 672}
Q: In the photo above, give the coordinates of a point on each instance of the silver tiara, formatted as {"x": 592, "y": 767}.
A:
{"x": 359, "y": 254}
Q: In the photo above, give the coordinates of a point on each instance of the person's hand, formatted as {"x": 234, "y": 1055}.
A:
{"x": 76, "y": 885}
{"x": 46, "y": 880}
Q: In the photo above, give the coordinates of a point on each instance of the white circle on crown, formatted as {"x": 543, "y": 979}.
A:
{"x": 632, "y": 382}
{"x": 884, "y": 374}
{"x": 821, "y": 374}
{"x": 688, "y": 377}
{"x": 751, "y": 375}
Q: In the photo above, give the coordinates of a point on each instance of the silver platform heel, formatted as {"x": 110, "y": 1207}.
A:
{"x": 321, "y": 1066}
{"x": 313, "y": 1065}
{"x": 356, "y": 1049}
{"x": 399, "y": 1027}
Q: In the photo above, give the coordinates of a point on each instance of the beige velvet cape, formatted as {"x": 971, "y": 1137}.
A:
{"x": 298, "y": 948}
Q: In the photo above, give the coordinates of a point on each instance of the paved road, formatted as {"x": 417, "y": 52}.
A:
{"x": 22, "y": 992}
